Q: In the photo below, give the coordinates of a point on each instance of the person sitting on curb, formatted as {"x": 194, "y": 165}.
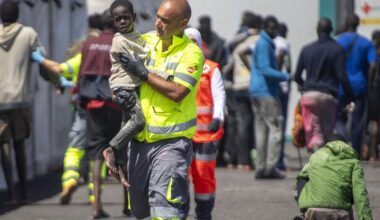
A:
{"x": 331, "y": 182}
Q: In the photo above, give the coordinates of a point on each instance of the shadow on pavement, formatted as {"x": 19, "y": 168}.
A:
{"x": 39, "y": 188}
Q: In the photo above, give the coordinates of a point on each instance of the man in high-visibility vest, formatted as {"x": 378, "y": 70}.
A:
{"x": 160, "y": 156}
{"x": 210, "y": 100}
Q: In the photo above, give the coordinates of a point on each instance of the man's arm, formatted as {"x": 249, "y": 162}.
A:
{"x": 360, "y": 194}
{"x": 371, "y": 59}
{"x": 264, "y": 64}
{"x": 50, "y": 65}
{"x": 372, "y": 74}
{"x": 243, "y": 54}
{"x": 299, "y": 69}
{"x": 342, "y": 76}
{"x": 172, "y": 90}
{"x": 179, "y": 85}
{"x": 218, "y": 95}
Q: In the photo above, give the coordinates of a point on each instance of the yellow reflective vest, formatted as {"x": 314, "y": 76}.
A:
{"x": 70, "y": 68}
{"x": 165, "y": 118}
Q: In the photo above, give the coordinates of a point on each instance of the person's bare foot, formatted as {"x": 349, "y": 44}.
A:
{"x": 100, "y": 214}
{"x": 110, "y": 159}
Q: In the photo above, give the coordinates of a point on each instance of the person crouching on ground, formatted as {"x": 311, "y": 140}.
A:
{"x": 332, "y": 182}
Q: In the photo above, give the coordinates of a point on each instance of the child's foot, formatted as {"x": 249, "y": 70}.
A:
{"x": 110, "y": 159}
{"x": 100, "y": 214}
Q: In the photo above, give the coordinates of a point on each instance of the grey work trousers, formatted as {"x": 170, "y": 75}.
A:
{"x": 77, "y": 134}
{"x": 158, "y": 177}
{"x": 268, "y": 126}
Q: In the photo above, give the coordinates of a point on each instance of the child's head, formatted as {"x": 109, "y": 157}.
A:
{"x": 9, "y": 11}
{"x": 123, "y": 15}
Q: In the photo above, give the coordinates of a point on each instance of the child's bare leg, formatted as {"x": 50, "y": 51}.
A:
{"x": 98, "y": 211}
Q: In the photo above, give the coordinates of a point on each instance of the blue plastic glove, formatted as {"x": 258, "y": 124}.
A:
{"x": 65, "y": 83}
{"x": 37, "y": 55}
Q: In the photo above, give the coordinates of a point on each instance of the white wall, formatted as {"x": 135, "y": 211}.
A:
{"x": 301, "y": 17}
{"x": 145, "y": 11}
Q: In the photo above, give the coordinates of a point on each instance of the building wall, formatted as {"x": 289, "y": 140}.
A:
{"x": 57, "y": 28}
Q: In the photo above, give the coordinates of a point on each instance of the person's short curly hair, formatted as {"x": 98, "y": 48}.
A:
{"x": 9, "y": 11}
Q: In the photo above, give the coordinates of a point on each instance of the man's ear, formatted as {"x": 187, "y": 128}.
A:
{"x": 134, "y": 17}
{"x": 184, "y": 22}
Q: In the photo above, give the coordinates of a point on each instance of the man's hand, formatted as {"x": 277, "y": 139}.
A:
{"x": 134, "y": 65}
{"x": 214, "y": 125}
{"x": 350, "y": 107}
{"x": 65, "y": 83}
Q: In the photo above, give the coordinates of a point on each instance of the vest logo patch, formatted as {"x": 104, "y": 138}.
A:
{"x": 206, "y": 68}
{"x": 192, "y": 69}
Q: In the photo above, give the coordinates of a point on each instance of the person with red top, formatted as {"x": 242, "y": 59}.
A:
{"x": 103, "y": 116}
{"x": 210, "y": 102}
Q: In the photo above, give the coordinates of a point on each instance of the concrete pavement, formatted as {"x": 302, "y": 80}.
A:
{"x": 239, "y": 197}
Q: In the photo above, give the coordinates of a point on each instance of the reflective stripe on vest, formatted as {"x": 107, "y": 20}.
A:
{"x": 69, "y": 68}
{"x": 202, "y": 127}
{"x": 186, "y": 78}
{"x": 204, "y": 110}
{"x": 205, "y": 157}
{"x": 173, "y": 128}
{"x": 171, "y": 66}
{"x": 150, "y": 62}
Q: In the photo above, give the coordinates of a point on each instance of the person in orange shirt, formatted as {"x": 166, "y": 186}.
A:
{"x": 210, "y": 102}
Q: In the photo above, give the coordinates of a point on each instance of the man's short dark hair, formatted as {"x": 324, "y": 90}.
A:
{"x": 270, "y": 19}
{"x": 95, "y": 21}
{"x": 125, "y": 3}
{"x": 204, "y": 19}
{"x": 376, "y": 35}
{"x": 352, "y": 21}
{"x": 324, "y": 26}
{"x": 282, "y": 29}
{"x": 107, "y": 21}
{"x": 9, "y": 11}
{"x": 251, "y": 20}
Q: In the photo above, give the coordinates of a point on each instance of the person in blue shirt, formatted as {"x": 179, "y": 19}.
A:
{"x": 360, "y": 65}
{"x": 264, "y": 91}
